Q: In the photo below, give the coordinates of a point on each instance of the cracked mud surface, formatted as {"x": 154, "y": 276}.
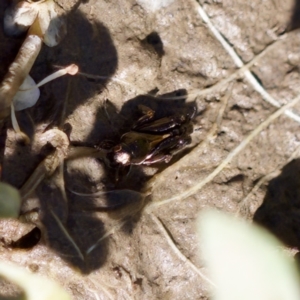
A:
{"x": 124, "y": 252}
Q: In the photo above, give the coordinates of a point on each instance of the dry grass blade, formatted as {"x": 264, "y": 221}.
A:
{"x": 244, "y": 203}
{"x": 170, "y": 241}
{"x": 67, "y": 235}
{"x": 239, "y": 63}
{"x": 106, "y": 235}
{"x": 230, "y": 156}
{"x": 211, "y": 135}
{"x": 239, "y": 72}
{"x": 45, "y": 168}
{"x": 21, "y": 135}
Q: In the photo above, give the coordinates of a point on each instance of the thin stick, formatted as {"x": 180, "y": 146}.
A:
{"x": 79, "y": 152}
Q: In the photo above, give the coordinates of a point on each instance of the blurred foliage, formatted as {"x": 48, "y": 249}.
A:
{"x": 34, "y": 286}
{"x": 10, "y": 201}
{"x": 245, "y": 261}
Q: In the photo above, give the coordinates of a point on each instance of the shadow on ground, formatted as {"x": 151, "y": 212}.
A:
{"x": 71, "y": 225}
{"x": 125, "y": 199}
{"x": 93, "y": 50}
{"x": 280, "y": 211}
{"x": 295, "y": 19}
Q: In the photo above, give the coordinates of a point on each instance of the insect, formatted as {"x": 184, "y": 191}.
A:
{"x": 151, "y": 141}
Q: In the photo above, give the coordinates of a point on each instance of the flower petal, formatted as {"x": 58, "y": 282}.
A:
{"x": 18, "y": 18}
{"x": 26, "y": 96}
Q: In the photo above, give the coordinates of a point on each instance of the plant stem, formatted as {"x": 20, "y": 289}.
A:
{"x": 17, "y": 72}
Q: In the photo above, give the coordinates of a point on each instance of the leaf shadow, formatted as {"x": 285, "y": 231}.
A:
{"x": 72, "y": 228}
{"x": 125, "y": 207}
{"x": 295, "y": 20}
{"x": 66, "y": 232}
{"x": 280, "y": 210}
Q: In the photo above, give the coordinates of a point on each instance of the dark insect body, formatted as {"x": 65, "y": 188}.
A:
{"x": 151, "y": 141}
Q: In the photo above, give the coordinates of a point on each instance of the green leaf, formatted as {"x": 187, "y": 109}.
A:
{"x": 10, "y": 201}
{"x": 35, "y": 287}
{"x": 245, "y": 261}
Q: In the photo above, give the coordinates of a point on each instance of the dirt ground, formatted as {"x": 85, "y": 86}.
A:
{"x": 139, "y": 241}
